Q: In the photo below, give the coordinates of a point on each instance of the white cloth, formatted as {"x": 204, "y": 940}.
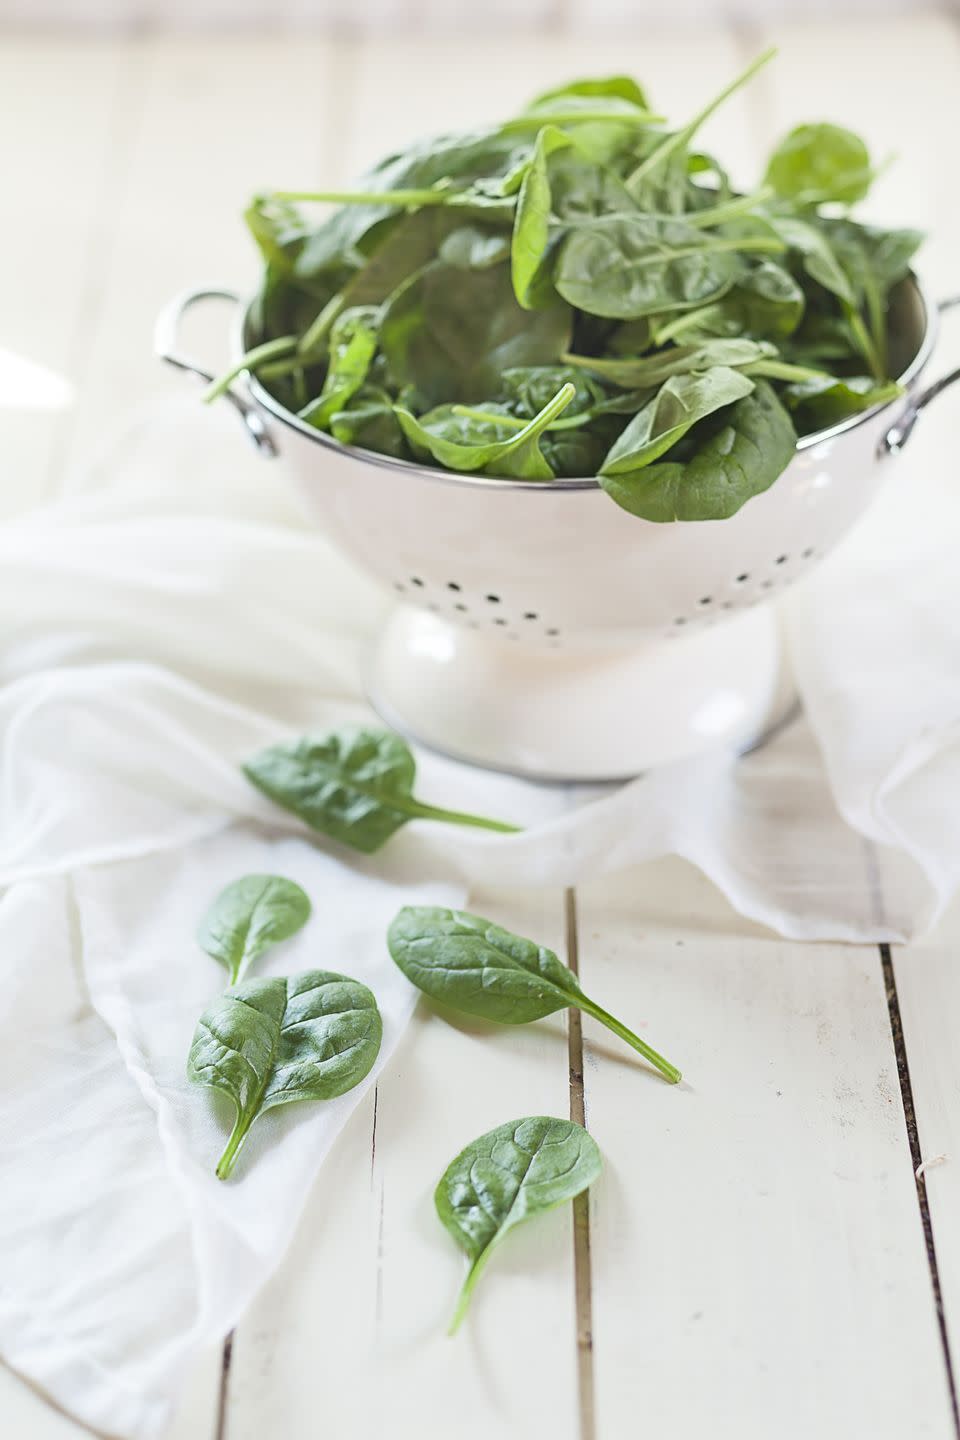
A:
{"x": 161, "y": 625}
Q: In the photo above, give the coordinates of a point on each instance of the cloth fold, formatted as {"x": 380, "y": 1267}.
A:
{"x": 178, "y": 612}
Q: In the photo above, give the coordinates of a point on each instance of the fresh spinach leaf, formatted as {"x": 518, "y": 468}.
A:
{"x": 475, "y": 966}
{"x": 819, "y": 404}
{"x": 819, "y": 163}
{"x": 266, "y": 1043}
{"x": 518, "y": 457}
{"x": 738, "y": 457}
{"x": 531, "y": 226}
{"x": 644, "y": 371}
{"x": 451, "y": 332}
{"x": 625, "y": 266}
{"x": 679, "y": 404}
{"x": 511, "y": 1174}
{"x": 353, "y": 785}
{"x": 249, "y": 916}
{"x": 353, "y": 344}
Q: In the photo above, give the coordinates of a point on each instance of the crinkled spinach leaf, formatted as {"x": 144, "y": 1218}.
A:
{"x": 249, "y": 916}
{"x": 354, "y": 785}
{"x": 266, "y": 1043}
{"x": 511, "y": 1174}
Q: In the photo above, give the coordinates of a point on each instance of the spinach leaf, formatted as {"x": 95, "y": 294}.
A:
{"x": 766, "y": 303}
{"x": 531, "y": 226}
{"x": 679, "y": 404}
{"x": 738, "y": 457}
{"x": 266, "y": 1043}
{"x": 819, "y": 404}
{"x": 473, "y": 965}
{"x": 819, "y": 163}
{"x": 451, "y": 332}
{"x": 518, "y": 457}
{"x": 623, "y": 267}
{"x": 508, "y": 1175}
{"x": 369, "y": 423}
{"x": 354, "y": 785}
{"x": 642, "y": 371}
{"x": 249, "y": 916}
{"x": 353, "y": 344}
{"x": 619, "y": 87}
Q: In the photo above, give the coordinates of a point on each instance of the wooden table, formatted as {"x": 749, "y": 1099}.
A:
{"x": 758, "y": 1260}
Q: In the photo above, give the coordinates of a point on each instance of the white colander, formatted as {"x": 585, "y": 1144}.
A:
{"x": 541, "y": 629}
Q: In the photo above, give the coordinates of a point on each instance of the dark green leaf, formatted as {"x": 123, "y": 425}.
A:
{"x": 356, "y": 786}
{"x": 508, "y": 1175}
{"x": 248, "y": 917}
{"x": 739, "y": 456}
{"x": 471, "y": 448}
{"x": 818, "y": 404}
{"x": 649, "y": 370}
{"x": 626, "y": 267}
{"x": 266, "y": 1043}
{"x": 451, "y": 332}
{"x": 475, "y": 966}
{"x": 353, "y": 343}
{"x": 679, "y": 404}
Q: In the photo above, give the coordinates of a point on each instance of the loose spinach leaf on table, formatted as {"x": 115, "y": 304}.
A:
{"x": 266, "y": 1043}
{"x": 511, "y": 1174}
{"x": 354, "y": 785}
{"x": 249, "y": 916}
{"x": 475, "y": 966}
{"x": 583, "y": 233}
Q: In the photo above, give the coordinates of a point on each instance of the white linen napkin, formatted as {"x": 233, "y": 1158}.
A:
{"x": 177, "y": 613}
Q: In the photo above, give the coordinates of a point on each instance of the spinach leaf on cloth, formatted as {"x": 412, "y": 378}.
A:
{"x": 249, "y": 916}
{"x": 353, "y": 785}
{"x": 473, "y": 965}
{"x": 266, "y": 1043}
{"x": 511, "y": 1174}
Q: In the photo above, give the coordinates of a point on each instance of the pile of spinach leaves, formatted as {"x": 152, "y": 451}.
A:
{"x": 580, "y": 291}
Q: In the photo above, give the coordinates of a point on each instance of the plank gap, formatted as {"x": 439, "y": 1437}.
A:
{"x": 916, "y": 1156}
{"x": 221, "y": 1428}
{"x": 582, "y": 1278}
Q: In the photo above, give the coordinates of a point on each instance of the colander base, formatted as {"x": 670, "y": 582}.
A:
{"x": 587, "y": 714}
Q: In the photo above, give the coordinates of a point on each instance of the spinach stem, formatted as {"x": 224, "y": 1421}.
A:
{"x": 680, "y": 137}
{"x": 511, "y": 422}
{"x": 233, "y": 1147}
{"x": 318, "y": 330}
{"x": 780, "y": 370}
{"x": 267, "y": 351}
{"x": 459, "y": 817}
{"x": 467, "y": 1289}
{"x": 403, "y": 199}
{"x": 680, "y": 323}
{"x": 864, "y": 340}
{"x": 729, "y": 210}
{"x": 670, "y": 1072}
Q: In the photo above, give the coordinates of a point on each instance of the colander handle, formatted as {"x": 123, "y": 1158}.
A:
{"x": 900, "y": 431}
{"x": 166, "y": 347}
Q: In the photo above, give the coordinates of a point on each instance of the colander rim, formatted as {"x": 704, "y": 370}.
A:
{"x": 267, "y": 402}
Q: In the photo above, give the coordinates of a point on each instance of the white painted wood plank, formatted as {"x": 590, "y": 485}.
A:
{"x": 358, "y": 1311}
{"x": 759, "y": 1266}
{"x": 61, "y": 145}
{"x": 220, "y": 120}
{"x": 928, "y": 990}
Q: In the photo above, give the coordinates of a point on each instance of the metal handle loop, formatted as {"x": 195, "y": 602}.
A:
{"x": 165, "y": 344}
{"x": 900, "y": 431}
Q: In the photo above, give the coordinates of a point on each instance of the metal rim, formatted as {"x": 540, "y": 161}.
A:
{"x": 491, "y": 482}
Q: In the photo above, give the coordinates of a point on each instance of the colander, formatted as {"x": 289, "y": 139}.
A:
{"x": 542, "y": 630}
